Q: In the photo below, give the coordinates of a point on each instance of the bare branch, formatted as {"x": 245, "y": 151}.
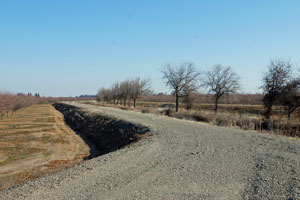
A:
{"x": 221, "y": 80}
{"x": 180, "y": 77}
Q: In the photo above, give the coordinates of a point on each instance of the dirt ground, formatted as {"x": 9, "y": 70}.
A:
{"x": 34, "y": 142}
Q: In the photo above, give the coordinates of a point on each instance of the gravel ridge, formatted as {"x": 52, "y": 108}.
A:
{"x": 182, "y": 160}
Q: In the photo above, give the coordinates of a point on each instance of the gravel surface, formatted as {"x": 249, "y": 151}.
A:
{"x": 182, "y": 160}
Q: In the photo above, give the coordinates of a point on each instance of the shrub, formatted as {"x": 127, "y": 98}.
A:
{"x": 145, "y": 110}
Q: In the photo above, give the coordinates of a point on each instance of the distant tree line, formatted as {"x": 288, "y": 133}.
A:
{"x": 10, "y": 103}
{"x": 29, "y": 94}
{"x": 280, "y": 87}
{"x": 125, "y": 92}
{"x": 86, "y": 96}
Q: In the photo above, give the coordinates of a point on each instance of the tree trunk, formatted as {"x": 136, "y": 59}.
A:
{"x": 177, "y": 101}
{"x": 216, "y": 104}
{"x": 187, "y": 101}
{"x": 268, "y": 111}
{"x": 289, "y": 113}
{"x": 268, "y": 106}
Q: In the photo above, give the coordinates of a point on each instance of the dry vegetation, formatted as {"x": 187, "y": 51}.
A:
{"x": 247, "y": 117}
{"x": 35, "y": 141}
{"x": 10, "y": 103}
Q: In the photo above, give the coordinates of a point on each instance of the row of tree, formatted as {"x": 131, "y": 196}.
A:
{"x": 185, "y": 80}
{"x": 280, "y": 85}
{"x": 125, "y": 91}
{"x": 9, "y": 103}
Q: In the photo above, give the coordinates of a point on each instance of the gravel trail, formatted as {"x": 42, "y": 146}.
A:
{"x": 182, "y": 160}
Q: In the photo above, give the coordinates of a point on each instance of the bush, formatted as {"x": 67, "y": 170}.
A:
{"x": 145, "y": 110}
{"x": 199, "y": 118}
{"x": 169, "y": 112}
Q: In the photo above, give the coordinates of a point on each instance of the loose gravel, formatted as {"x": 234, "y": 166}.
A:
{"x": 182, "y": 160}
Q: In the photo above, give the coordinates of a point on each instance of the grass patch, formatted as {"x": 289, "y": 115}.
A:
{"x": 18, "y": 153}
{"x": 246, "y": 117}
{"x": 46, "y": 153}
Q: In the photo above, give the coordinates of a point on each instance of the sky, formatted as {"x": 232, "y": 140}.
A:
{"x": 74, "y": 47}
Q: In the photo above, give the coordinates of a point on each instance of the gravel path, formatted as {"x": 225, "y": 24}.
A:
{"x": 182, "y": 160}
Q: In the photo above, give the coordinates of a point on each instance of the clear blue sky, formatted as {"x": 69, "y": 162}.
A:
{"x": 72, "y": 47}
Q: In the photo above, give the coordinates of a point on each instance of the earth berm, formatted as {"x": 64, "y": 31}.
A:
{"x": 181, "y": 160}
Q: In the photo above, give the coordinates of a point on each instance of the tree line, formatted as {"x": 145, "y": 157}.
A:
{"x": 9, "y": 103}
{"x": 185, "y": 81}
{"x": 280, "y": 86}
{"x": 124, "y": 92}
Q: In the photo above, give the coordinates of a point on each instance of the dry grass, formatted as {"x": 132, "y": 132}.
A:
{"x": 242, "y": 121}
{"x": 32, "y": 140}
{"x": 246, "y": 117}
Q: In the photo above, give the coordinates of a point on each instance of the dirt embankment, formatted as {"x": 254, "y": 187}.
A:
{"x": 34, "y": 142}
{"x": 103, "y": 134}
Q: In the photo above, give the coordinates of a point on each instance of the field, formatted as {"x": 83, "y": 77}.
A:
{"x": 35, "y": 141}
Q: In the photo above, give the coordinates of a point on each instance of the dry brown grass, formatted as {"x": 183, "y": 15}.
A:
{"x": 34, "y": 142}
{"x": 246, "y": 117}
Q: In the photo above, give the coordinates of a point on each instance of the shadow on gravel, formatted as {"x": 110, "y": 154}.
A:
{"x": 103, "y": 134}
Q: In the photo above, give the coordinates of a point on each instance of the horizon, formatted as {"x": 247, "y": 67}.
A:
{"x": 71, "y": 48}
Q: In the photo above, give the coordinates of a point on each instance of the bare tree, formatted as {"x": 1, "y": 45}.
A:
{"x": 290, "y": 97}
{"x": 221, "y": 80}
{"x": 139, "y": 87}
{"x": 189, "y": 95}
{"x": 10, "y": 103}
{"x": 125, "y": 91}
{"x": 179, "y": 77}
{"x": 274, "y": 81}
{"x": 115, "y": 92}
{"x": 104, "y": 95}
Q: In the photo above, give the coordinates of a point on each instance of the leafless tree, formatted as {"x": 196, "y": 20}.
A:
{"x": 125, "y": 89}
{"x": 10, "y": 103}
{"x": 221, "y": 80}
{"x": 115, "y": 92}
{"x": 139, "y": 87}
{"x": 178, "y": 77}
{"x": 105, "y": 95}
{"x": 275, "y": 80}
{"x": 189, "y": 93}
{"x": 290, "y": 97}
